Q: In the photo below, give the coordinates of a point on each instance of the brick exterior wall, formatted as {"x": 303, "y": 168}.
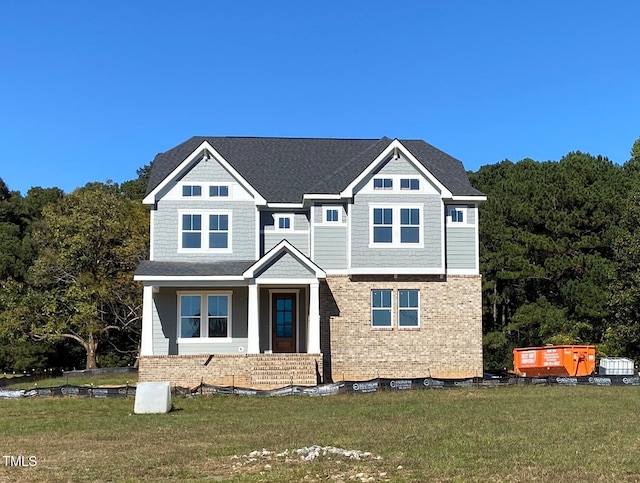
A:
{"x": 259, "y": 371}
{"x": 448, "y": 343}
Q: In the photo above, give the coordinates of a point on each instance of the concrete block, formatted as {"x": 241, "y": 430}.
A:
{"x": 152, "y": 398}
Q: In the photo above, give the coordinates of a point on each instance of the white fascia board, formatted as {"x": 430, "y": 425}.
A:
{"x": 286, "y": 206}
{"x": 321, "y": 197}
{"x": 396, "y": 271}
{"x": 284, "y": 245}
{"x": 205, "y": 145}
{"x": 198, "y": 278}
{"x": 286, "y": 281}
{"x": 467, "y": 199}
{"x": 395, "y": 144}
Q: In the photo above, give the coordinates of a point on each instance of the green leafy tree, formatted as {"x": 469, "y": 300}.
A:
{"x": 81, "y": 286}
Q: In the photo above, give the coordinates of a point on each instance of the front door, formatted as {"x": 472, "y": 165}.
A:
{"x": 283, "y": 322}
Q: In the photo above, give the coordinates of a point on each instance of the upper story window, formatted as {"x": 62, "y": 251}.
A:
{"x": 382, "y": 183}
{"x": 396, "y": 226}
{"x": 331, "y": 214}
{"x": 412, "y": 184}
{"x": 204, "y": 315}
{"x": 205, "y": 231}
{"x": 191, "y": 190}
{"x": 283, "y": 222}
{"x": 218, "y": 191}
{"x": 457, "y": 214}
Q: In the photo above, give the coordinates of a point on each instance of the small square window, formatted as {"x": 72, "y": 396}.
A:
{"x": 457, "y": 214}
{"x": 284, "y": 222}
{"x": 382, "y": 184}
{"x": 191, "y": 190}
{"x": 332, "y": 215}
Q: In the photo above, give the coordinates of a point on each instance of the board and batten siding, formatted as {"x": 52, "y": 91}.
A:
{"x": 165, "y": 324}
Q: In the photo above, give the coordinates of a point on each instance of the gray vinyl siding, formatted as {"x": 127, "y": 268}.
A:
{"x": 167, "y": 230}
{"x": 461, "y": 248}
{"x": 428, "y": 257}
{"x": 330, "y": 247}
{"x": 298, "y": 240}
{"x": 298, "y": 237}
{"x": 286, "y": 266}
{"x": 471, "y": 214}
{"x": 165, "y": 324}
{"x": 398, "y": 166}
{"x": 208, "y": 172}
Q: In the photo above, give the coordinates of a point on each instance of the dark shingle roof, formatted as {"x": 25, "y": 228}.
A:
{"x": 282, "y": 170}
{"x": 183, "y": 269}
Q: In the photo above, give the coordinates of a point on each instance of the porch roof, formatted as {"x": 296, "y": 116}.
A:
{"x": 149, "y": 268}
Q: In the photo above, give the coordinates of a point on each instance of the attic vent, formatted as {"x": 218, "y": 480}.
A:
{"x": 206, "y": 156}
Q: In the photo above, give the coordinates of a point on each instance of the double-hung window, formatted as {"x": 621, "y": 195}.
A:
{"x": 204, "y": 315}
{"x": 409, "y": 225}
{"x": 205, "y": 231}
{"x": 381, "y": 308}
{"x": 218, "y": 231}
{"x": 191, "y": 231}
{"x": 408, "y": 308}
{"x": 382, "y": 225}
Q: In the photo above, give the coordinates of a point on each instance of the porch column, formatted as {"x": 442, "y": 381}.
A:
{"x": 146, "y": 342}
{"x": 313, "y": 343}
{"x": 253, "y": 332}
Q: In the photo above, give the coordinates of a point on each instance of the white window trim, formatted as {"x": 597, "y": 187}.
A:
{"x": 204, "y": 323}
{"x": 329, "y": 208}
{"x": 278, "y": 217}
{"x": 465, "y": 214}
{"x": 395, "y": 227}
{"x": 409, "y": 327}
{"x": 204, "y": 235}
{"x": 390, "y": 309}
{"x": 391, "y": 188}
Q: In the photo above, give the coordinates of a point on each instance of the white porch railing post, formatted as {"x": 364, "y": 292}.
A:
{"x": 253, "y": 332}
{"x": 313, "y": 344}
{"x": 146, "y": 343}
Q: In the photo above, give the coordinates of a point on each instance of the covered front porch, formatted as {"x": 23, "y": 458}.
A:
{"x": 244, "y": 323}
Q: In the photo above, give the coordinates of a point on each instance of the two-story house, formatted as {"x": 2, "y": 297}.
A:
{"x": 276, "y": 261}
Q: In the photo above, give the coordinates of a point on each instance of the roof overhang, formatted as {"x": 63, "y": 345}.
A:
{"x": 201, "y": 153}
{"x": 394, "y": 148}
{"x": 271, "y": 255}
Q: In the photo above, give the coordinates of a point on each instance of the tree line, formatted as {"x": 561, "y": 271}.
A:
{"x": 559, "y": 257}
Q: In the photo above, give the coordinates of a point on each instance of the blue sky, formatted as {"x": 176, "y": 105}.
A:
{"x": 91, "y": 91}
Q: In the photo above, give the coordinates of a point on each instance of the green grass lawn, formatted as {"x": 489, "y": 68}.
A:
{"x": 504, "y": 434}
{"x": 96, "y": 380}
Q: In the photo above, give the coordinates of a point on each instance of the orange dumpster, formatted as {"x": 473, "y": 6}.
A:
{"x": 557, "y": 360}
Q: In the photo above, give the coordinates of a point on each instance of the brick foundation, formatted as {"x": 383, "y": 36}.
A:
{"x": 448, "y": 343}
{"x": 259, "y": 371}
